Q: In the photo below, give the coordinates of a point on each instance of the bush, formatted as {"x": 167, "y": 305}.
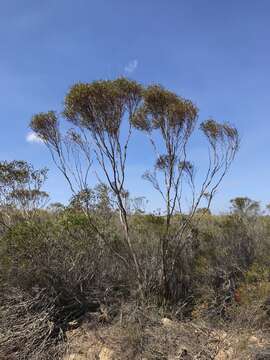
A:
{"x": 55, "y": 269}
{"x": 30, "y": 327}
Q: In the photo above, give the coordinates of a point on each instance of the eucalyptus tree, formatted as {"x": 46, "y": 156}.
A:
{"x": 97, "y": 110}
{"x": 66, "y": 149}
{"x": 21, "y": 188}
{"x": 245, "y": 206}
{"x": 102, "y": 115}
{"x": 169, "y": 122}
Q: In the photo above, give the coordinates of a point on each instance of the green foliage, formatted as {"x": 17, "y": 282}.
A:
{"x": 20, "y": 185}
{"x": 245, "y": 207}
{"x": 163, "y": 109}
{"x": 100, "y": 106}
{"x": 216, "y": 132}
{"x": 46, "y": 126}
{"x": 257, "y": 272}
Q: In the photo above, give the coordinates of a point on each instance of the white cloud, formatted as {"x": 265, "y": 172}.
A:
{"x": 131, "y": 66}
{"x": 33, "y": 138}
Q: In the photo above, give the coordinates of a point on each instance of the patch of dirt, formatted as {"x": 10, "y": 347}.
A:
{"x": 168, "y": 339}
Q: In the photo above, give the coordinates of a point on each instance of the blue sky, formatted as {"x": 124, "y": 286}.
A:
{"x": 216, "y": 53}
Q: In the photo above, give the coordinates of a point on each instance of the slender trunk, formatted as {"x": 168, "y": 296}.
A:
{"x": 124, "y": 220}
{"x": 165, "y": 251}
{"x": 136, "y": 263}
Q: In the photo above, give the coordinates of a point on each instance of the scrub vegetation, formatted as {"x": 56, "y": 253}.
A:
{"x": 102, "y": 261}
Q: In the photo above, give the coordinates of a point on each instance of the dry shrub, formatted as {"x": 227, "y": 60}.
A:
{"x": 53, "y": 273}
{"x": 28, "y": 327}
{"x": 254, "y": 310}
{"x": 78, "y": 272}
